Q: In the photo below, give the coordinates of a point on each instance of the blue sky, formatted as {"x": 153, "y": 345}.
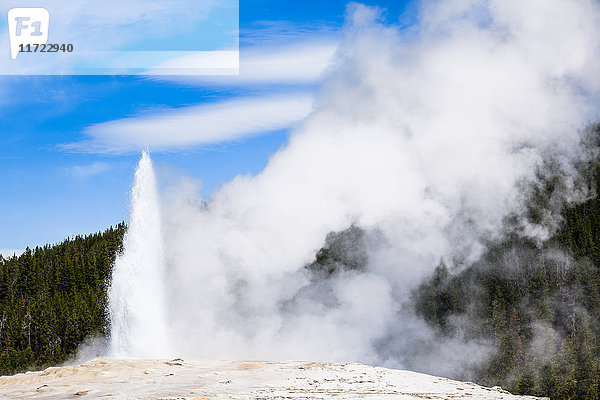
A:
{"x": 67, "y": 161}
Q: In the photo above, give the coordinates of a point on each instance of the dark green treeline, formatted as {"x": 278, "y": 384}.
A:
{"x": 52, "y": 297}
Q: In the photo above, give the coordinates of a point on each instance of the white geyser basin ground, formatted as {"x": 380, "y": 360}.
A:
{"x": 179, "y": 379}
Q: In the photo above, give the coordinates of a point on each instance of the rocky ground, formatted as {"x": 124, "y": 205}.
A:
{"x": 178, "y": 379}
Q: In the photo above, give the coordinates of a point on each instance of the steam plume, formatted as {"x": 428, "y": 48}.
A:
{"x": 420, "y": 137}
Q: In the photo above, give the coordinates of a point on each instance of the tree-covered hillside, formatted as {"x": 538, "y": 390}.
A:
{"x": 537, "y": 302}
{"x": 52, "y": 297}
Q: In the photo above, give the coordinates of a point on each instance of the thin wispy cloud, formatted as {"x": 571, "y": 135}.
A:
{"x": 301, "y": 63}
{"x": 196, "y": 125}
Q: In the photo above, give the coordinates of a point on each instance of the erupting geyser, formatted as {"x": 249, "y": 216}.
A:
{"x": 136, "y": 297}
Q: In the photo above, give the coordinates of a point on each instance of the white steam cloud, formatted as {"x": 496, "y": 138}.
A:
{"x": 420, "y": 138}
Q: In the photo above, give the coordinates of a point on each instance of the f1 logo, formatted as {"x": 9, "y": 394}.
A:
{"x": 27, "y": 26}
